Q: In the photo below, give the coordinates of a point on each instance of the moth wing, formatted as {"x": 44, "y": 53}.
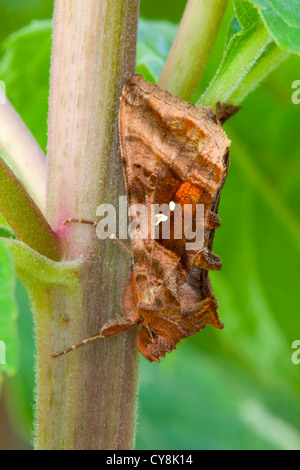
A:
{"x": 171, "y": 149}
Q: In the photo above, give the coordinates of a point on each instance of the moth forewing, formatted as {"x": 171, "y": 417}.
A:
{"x": 174, "y": 154}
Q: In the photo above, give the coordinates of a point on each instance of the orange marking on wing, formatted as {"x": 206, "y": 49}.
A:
{"x": 188, "y": 193}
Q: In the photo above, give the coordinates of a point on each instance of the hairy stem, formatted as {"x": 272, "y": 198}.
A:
{"x": 86, "y": 400}
{"x": 192, "y": 47}
{"x": 272, "y": 57}
{"x": 24, "y": 217}
{"x": 225, "y": 84}
{"x": 23, "y": 152}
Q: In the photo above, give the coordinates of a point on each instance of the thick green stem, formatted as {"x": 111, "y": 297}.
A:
{"x": 24, "y": 217}
{"x": 87, "y": 399}
{"x": 23, "y": 152}
{"x": 270, "y": 60}
{"x": 192, "y": 47}
{"x": 226, "y": 83}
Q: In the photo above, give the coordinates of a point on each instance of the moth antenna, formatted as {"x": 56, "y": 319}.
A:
{"x": 76, "y": 346}
{"x": 94, "y": 224}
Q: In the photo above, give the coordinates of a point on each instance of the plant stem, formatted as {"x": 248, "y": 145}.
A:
{"x": 23, "y": 152}
{"x": 87, "y": 399}
{"x": 272, "y": 57}
{"x": 192, "y": 47}
{"x": 24, "y": 217}
{"x": 226, "y": 83}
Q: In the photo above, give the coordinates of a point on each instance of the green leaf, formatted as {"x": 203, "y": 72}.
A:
{"x": 8, "y": 314}
{"x": 3, "y": 221}
{"x": 155, "y": 39}
{"x": 18, "y": 389}
{"x": 5, "y": 232}
{"x": 247, "y": 16}
{"x": 34, "y": 269}
{"x": 250, "y": 56}
{"x": 282, "y": 18}
{"x": 24, "y": 68}
{"x": 234, "y": 28}
{"x": 24, "y": 217}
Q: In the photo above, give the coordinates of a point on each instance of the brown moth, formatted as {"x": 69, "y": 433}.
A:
{"x": 173, "y": 153}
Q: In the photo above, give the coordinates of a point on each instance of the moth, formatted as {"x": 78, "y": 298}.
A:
{"x": 177, "y": 154}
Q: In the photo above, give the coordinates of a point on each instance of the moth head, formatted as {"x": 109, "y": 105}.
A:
{"x": 153, "y": 346}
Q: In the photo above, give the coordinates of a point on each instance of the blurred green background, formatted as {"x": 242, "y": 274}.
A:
{"x": 230, "y": 389}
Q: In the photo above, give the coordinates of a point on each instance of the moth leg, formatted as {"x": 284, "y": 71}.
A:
{"x": 213, "y": 220}
{"x": 207, "y": 260}
{"x": 129, "y": 300}
{"x": 94, "y": 224}
{"x": 78, "y": 345}
{"x": 147, "y": 326}
{"x": 116, "y": 328}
